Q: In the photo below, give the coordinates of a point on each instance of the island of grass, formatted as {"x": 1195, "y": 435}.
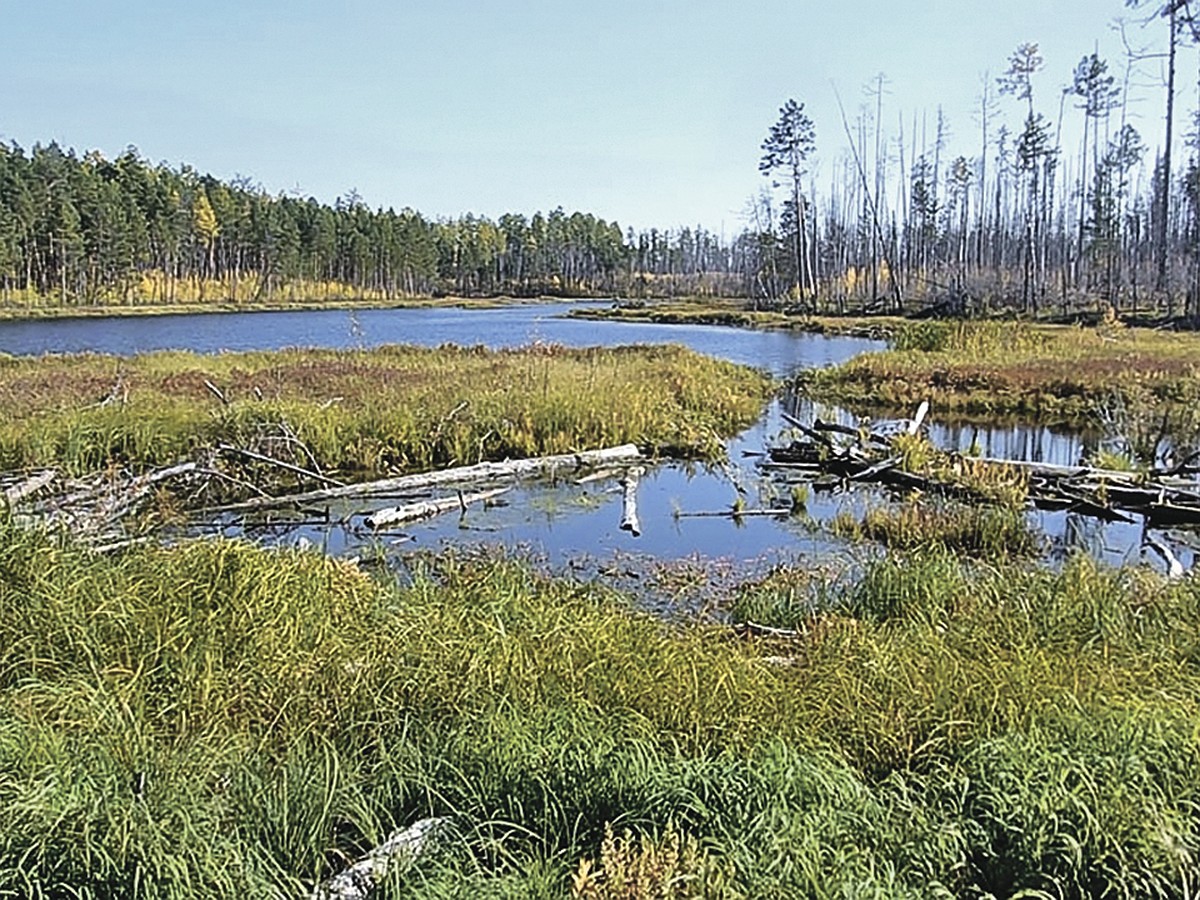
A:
{"x": 738, "y": 313}
{"x": 1048, "y": 372}
{"x": 367, "y": 413}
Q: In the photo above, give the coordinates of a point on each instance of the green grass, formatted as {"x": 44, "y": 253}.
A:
{"x": 221, "y": 720}
{"x": 991, "y": 532}
{"x": 370, "y": 412}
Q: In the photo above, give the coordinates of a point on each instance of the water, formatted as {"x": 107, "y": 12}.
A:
{"x": 778, "y": 352}
{"x": 567, "y": 522}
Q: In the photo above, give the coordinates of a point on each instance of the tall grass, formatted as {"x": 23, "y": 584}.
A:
{"x": 395, "y": 409}
{"x": 221, "y": 720}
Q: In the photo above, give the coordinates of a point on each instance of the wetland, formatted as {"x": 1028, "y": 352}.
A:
{"x": 869, "y": 691}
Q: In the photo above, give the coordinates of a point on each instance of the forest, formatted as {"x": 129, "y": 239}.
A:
{"x": 1027, "y": 223}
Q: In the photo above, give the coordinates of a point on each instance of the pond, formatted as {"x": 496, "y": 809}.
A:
{"x": 568, "y": 522}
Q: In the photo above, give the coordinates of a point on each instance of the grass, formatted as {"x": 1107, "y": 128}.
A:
{"x": 27, "y": 307}
{"x": 222, "y": 720}
{"x": 370, "y": 412}
{"x": 992, "y": 532}
{"x": 987, "y": 368}
{"x": 735, "y": 312}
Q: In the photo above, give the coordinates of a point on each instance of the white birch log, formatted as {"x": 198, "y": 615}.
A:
{"x": 425, "y": 509}
{"x": 629, "y": 514}
{"x": 20, "y": 491}
{"x": 509, "y": 470}
{"x": 401, "y": 848}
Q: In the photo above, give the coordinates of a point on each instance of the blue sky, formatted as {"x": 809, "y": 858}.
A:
{"x": 650, "y": 112}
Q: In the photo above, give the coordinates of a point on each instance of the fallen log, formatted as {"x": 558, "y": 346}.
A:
{"x": 401, "y": 848}
{"x": 426, "y": 509}
{"x": 509, "y": 470}
{"x": 778, "y": 512}
{"x": 32, "y": 485}
{"x": 1111, "y": 495}
{"x": 754, "y": 628}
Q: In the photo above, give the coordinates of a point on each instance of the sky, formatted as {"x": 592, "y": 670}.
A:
{"x": 647, "y": 112}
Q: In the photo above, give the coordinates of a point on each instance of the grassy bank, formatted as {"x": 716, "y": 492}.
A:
{"x": 219, "y": 720}
{"x": 997, "y": 368}
{"x": 45, "y": 308}
{"x": 736, "y": 313}
{"x": 370, "y": 412}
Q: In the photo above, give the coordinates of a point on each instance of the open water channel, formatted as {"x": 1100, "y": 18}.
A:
{"x": 578, "y": 524}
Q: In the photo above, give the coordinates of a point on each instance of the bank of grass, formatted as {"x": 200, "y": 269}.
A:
{"x": 987, "y": 368}
{"x": 221, "y": 720}
{"x": 371, "y": 412}
{"x": 739, "y": 313}
{"x": 43, "y": 308}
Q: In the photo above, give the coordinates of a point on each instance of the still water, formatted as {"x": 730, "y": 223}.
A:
{"x": 567, "y": 522}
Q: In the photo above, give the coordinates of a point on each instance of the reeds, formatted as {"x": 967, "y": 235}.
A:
{"x": 221, "y": 720}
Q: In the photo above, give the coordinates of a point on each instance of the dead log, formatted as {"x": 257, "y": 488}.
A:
{"x": 1175, "y": 568}
{"x": 753, "y": 628}
{"x": 777, "y": 512}
{"x": 509, "y": 470}
{"x": 410, "y": 512}
{"x": 32, "y": 485}
{"x": 629, "y": 515}
{"x": 401, "y": 848}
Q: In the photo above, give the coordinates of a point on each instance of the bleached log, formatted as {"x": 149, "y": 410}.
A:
{"x": 601, "y": 475}
{"x": 1175, "y": 568}
{"x": 776, "y": 512}
{"x": 509, "y": 470}
{"x": 425, "y": 509}
{"x": 401, "y": 848}
{"x": 914, "y": 424}
{"x": 629, "y": 514}
{"x": 21, "y": 490}
{"x": 767, "y": 630}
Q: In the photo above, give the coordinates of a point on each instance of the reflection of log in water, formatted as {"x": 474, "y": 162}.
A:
{"x": 629, "y": 513}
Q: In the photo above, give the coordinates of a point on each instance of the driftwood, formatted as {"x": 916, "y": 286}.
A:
{"x": 91, "y": 509}
{"x": 425, "y": 509}
{"x": 400, "y": 849}
{"x": 779, "y": 512}
{"x": 509, "y": 470}
{"x": 629, "y": 514}
{"x": 1164, "y": 498}
{"x": 26, "y": 488}
{"x": 747, "y": 628}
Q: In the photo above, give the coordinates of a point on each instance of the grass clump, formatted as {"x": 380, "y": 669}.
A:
{"x": 221, "y": 720}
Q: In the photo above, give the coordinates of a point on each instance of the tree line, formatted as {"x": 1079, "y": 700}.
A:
{"x": 86, "y": 229}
